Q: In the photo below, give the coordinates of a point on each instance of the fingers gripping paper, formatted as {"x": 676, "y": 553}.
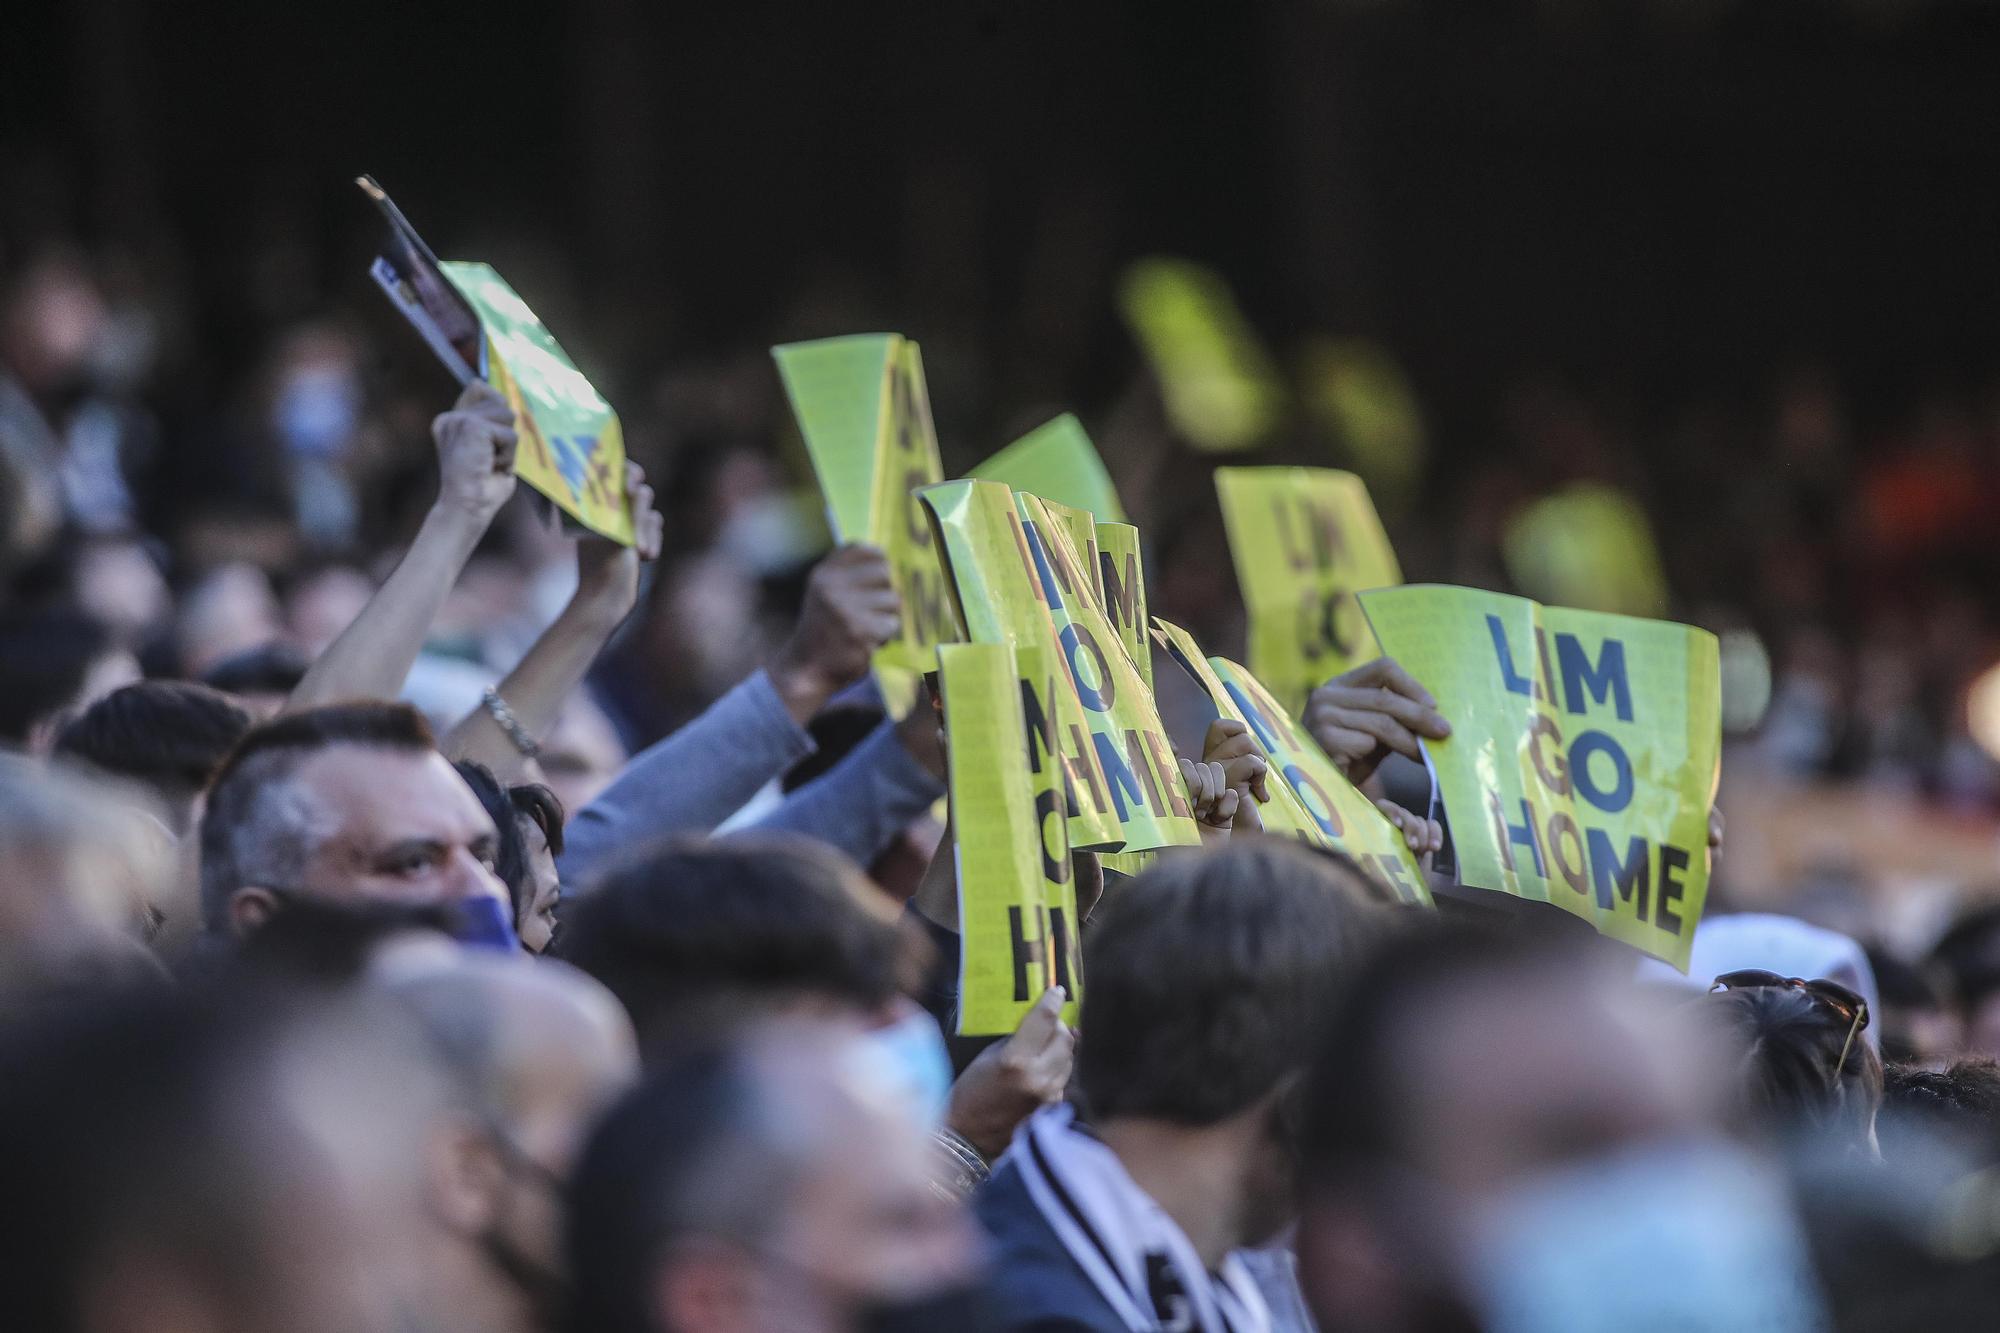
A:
{"x": 1311, "y": 799}
{"x": 1016, "y": 895}
{"x": 865, "y": 414}
{"x": 1304, "y": 540}
{"x": 1016, "y": 578}
{"x": 1583, "y": 756}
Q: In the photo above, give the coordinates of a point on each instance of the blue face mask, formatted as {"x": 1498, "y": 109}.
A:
{"x": 484, "y": 922}
{"x": 1679, "y": 1236}
{"x": 914, "y": 1064}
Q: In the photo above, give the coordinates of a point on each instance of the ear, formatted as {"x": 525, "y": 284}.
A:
{"x": 705, "y": 1286}
{"x": 249, "y": 908}
{"x": 464, "y": 1179}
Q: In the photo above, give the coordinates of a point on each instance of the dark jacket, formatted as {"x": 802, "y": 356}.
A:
{"x": 1037, "y": 1287}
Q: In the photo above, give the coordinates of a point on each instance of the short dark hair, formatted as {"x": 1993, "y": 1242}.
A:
{"x": 1351, "y": 1116}
{"x": 1791, "y": 1078}
{"x": 249, "y": 832}
{"x": 171, "y": 735}
{"x": 1956, "y": 1109}
{"x": 695, "y": 929}
{"x": 45, "y": 656}
{"x": 274, "y": 668}
{"x": 1207, "y": 979}
{"x": 671, "y": 1145}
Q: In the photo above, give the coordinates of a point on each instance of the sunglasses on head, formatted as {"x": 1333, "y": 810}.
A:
{"x": 1850, "y": 1008}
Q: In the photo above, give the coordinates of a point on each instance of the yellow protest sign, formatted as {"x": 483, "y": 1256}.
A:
{"x": 1304, "y": 540}
{"x": 1121, "y": 590}
{"x": 1016, "y": 898}
{"x": 1017, "y": 577}
{"x": 999, "y": 600}
{"x": 1217, "y": 382}
{"x": 1588, "y": 546}
{"x": 1583, "y": 756}
{"x": 1311, "y": 799}
{"x": 1132, "y": 746}
{"x": 865, "y": 414}
{"x": 572, "y": 448}
{"x": 1058, "y": 462}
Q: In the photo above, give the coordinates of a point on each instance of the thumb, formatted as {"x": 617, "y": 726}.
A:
{"x": 1039, "y": 1024}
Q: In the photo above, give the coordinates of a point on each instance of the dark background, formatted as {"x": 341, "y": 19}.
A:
{"x": 1645, "y": 194}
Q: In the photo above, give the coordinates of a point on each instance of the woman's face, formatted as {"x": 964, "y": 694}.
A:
{"x": 537, "y": 924}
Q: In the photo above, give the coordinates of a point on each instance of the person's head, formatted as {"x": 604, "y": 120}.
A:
{"x": 764, "y": 1186}
{"x": 160, "y": 1171}
{"x": 1489, "y": 1105}
{"x": 694, "y": 934}
{"x": 534, "y": 1051}
{"x": 351, "y": 801}
{"x": 1968, "y": 959}
{"x": 85, "y": 872}
{"x": 1801, "y": 1066}
{"x": 168, "y": 735}
{"x": 1207, "y": 981}
{"x": 539, "y": 816}
{"x": 260, "y": 678}
{"x": 1930, "y": 1110}
{"x": 1917, "y": 1022}
{"x": 530, "y": 823}
{"x": 53, "y": 662}
{"x": 581, "y": 754}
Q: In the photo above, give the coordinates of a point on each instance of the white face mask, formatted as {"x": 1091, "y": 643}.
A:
{"x": 909, "y": 1061}
{"x": 1672, "y": 1237}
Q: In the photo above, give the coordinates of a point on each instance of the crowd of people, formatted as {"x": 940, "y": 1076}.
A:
{"x": 428, "y": 942}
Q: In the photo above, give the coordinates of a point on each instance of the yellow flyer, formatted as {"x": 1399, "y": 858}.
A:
{"x": 998, "y": 599}
{"x": 572, "y": 448}
{"x": 1140, "y": 769}
{"x": 1588, "y": 546}
{"x": 1583, "y": 757}
{"x": 1058, "y": 462}
{"x": 1304, "y": 540}
{"x": 1016, "y": 900}
{"x": 865, "y": 414}
{"x": 1311, "y": 799}
{"x": 1121, "y": 589}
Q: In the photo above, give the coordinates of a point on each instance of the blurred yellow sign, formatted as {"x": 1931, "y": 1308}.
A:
{"x": 1058, "y": 462}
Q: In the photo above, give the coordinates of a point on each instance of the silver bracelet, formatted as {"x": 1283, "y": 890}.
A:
{"x": 497, "y": 709}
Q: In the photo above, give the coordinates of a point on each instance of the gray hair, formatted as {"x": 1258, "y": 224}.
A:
{"x": 261, "y": 827}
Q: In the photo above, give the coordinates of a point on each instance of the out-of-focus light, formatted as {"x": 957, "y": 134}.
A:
{"x": 1746, "y": 680}
{"x": 1982, "y": 710}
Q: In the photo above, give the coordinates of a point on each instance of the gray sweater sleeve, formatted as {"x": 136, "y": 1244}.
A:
{"x": 690, "y": 781}
{"x": 861, "y": 803}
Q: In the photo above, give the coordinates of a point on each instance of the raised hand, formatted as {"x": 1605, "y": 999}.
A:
{"x": 1013, "y": 1079}
{"x": 851, "y": 609}
{"x": 1213, "y": 801}
{"x": 475, "y": 445}
{"x": 1361, "y": 717}
{"x": 607, "y": 573}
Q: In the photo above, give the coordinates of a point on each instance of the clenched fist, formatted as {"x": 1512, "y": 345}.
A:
{"x": 475, "y": 444}
{"x": 851, "y": 610}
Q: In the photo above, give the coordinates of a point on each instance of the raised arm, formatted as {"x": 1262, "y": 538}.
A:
{"x": 706, "y": 771}
{"x": 373, "y": 656}
{"x": 533, "y": 693}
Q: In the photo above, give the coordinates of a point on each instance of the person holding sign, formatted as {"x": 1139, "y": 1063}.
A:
{"x": 1211, "y": 977}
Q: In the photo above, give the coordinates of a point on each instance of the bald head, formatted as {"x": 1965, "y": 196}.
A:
{"x": 538, "y": 1044}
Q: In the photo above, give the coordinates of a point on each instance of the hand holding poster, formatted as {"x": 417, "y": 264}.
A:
{"x": 866, "y": 417}
{"x": 1016, "y": 893}
{"x": 1310, "y": 799}
{"x": 1583, "y": 756}
{"x": 572, "y": 447}
{"x": 1304, "y": 540}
